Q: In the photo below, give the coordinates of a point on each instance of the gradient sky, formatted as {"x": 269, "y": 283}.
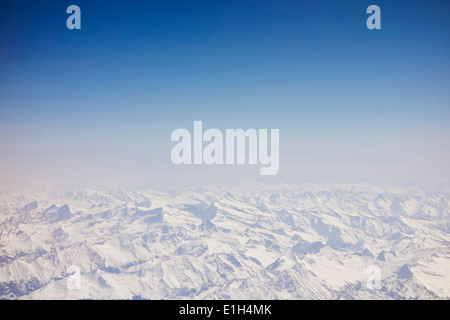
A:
{"x": 99, "y": 104}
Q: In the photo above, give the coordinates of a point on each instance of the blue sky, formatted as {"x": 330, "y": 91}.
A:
{"x": 352, "y": 104}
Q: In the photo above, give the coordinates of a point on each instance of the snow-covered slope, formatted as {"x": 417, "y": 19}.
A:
{"x": 250, "y": 241}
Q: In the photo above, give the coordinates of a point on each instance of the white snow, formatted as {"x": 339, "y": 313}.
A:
{"x": 257, "y": 241}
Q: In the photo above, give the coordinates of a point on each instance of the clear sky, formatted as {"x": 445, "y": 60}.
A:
{"x": 99, "y": 104}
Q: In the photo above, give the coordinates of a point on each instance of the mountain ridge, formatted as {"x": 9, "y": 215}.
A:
{"x": 248, "y": 241}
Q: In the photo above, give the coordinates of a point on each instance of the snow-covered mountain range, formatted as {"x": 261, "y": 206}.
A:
{"x": 250, "y": 241}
